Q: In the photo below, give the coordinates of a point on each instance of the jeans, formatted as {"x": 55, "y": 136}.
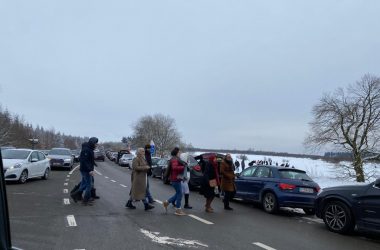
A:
{"x": 148, "y": 194}
{"x": 177, "y": 198}
{"x": 86, "y": 185}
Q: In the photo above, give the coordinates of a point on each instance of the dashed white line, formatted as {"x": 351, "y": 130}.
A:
{"x": 263, "y": 246}
{"x": 71, "y": 221}
{"x": 66, "y": 201}
{"x": 96, "y": 171}
{"x": 106, "y": 177}
{"x": 113, "y": 180}
{"x": 68, "y": 176}
{"x": 200, "y": 219}
{"x": 65, "y": 184}
{"x": 124, "y": 186}
{"x": 67, "y": 179}
{"x": 159, "y": 202}
{"x": 65, "y": 191}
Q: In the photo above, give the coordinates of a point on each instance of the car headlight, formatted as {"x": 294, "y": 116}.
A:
{"x": 18, "y": 165}
{"x": 67, "y": 160}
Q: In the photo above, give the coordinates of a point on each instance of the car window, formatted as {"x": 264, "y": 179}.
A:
{"x": 294, "y": 174}
{"x": 41, "y": 156}
{"x": 15, "y": 154}
{"x": 34, "y": 155}
{"x": 248, "y": 172}
{"x": 263, "y": 172}
{"x": 60, "y": 152}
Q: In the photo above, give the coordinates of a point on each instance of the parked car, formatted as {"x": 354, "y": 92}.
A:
{"x": 99, "y": 155}
{"x": 197, "y": 165}
{"x": 276, "y": 187}
{"x": 61, "y": 158}
{"x": 113, "y": 156}
{"x": 120, "y": 154}
{"x": 342, "y": 208}
{"x": 158, "y": 167}
{"x": 126, "y": 160}
{"x": 23, "y": 164}
{"x": 45, "y": 151}
{"x": 76, "y": 154}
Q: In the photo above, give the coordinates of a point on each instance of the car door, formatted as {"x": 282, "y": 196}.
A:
{"x": 370, "y": 203}
{"x": 34, "y": 163}
{"x": 261, "y": 177}
{"x": 243, "y": 183}
{"x": 43, "y": 163}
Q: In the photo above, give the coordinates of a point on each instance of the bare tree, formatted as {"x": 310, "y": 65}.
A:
{"x": 5, "y": 127}
{"x": 159, "y": 128}
{"x": 349, "y": 119}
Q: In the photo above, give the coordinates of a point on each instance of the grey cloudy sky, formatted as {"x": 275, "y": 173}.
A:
{"x": 234, "y": 74}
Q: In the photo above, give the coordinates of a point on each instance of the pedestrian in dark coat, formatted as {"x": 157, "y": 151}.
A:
{"x": 210, "y": 182}
{"x": 242, "y": 165}
{"x": 228, "y": 180}
{"x": 148, "y": 158}
{"x": 237, "y": 165}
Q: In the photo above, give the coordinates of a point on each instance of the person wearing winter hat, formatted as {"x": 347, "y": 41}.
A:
{"x": 87, "y": 163}
{"x": 184, "y": 157}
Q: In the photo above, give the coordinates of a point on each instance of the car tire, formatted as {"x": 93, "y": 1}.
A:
{"x": 338, "y": 218}
{"x": 309, "y": 211}
{"x": 23, "y": 177}
{"x": 46, "y": 174}
{"x": 270, "y": 203}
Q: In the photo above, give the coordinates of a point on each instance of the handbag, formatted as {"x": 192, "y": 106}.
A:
{"x": 212, "y": 183}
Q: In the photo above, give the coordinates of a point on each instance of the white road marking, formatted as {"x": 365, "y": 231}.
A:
{"x": 71, "y": 221}
{"x": 164, "y": 240}
{"x": 68, "y": 176}
{"x": 159, "y": 202}
{"x": 65, "y": 191}
{"x": 263, "y": 246}
{"x": 320, "y": 221}
{"x": 113, "y": 180}
{"x": 66, "y": 201}
{"x": 200, "y": 219}
{"x": 72, "y": 171}
{"x": 106, "y": 177}
{"x": 65, "y": 184}
{"x": 124, "y": 186}
{"x": 67, "y": 179}
{"x": 96, "y": 171}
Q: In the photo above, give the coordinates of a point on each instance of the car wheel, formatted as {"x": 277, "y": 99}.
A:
{"x": 46, "y": 174}
{"x": 337, "y": 217}
{"x": 23, "y": 177}
{"x": 309, "y": 211}
{"x": 270, "y": 203}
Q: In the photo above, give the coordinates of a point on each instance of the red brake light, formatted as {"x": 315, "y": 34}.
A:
{"x": 317, "y": 188}
{"x": 197, "y": 168}
{"x": 284, "y": 186}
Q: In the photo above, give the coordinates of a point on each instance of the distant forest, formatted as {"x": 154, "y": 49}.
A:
{"x": 14, "y": 131}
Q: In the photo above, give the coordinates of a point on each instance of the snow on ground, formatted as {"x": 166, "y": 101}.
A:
{"x": 326, "y": 174}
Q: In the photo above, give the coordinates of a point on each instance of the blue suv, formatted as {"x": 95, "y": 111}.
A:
{"x": 276, "y": 187}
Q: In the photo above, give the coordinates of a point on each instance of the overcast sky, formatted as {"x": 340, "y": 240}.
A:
{"x": 233, "y": 74}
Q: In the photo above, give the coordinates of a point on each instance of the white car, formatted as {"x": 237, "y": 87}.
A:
{"x": 23, "y": 164}
{"x": 126, "y": 160}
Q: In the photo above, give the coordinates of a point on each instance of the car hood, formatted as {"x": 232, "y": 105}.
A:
{"x": 11, "y": 162}
{"x": 346, "y": 189}
{"x": 59, "y": 157}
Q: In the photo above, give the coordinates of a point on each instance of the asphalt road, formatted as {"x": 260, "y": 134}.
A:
{"x": 41, "y": 218}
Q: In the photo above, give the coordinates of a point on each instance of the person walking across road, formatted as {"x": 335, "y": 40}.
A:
{"x": 228, "y": 181}
{"x": 176, "y": 170}
{"x": 210, "y": 182}
{"x": 184, "y": 157}
{"x": 148, "y": 158}
{"x": 87, "y": 163}
{"x": 139, "y": 180}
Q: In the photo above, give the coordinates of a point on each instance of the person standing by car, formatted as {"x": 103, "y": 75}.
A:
{"x": 237, "y": 165}
{"x": 176, "y": 169}
{"x": 228, "y": 181}
{"x": 87, "y": 163}
{"x": 184, "y": 157}
{"x": 210, "y": 182}
{"x": 148, "y": 158}
{"x": 242, "y": 165}
{"x": 139, "y": 180}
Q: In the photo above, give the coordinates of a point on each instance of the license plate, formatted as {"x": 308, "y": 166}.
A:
{"x": 56, "y": 164}
{"x": 307, "y": 190}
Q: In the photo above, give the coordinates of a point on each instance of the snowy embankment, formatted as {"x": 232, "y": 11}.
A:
{"x": 326, "y": 174}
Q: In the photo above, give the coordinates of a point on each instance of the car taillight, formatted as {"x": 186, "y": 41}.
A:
{"x": 284, "y": 186}
{"x": 197, "y": 168}
{"x": 317, "y": 189}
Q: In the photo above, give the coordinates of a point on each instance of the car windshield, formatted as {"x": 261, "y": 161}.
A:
{"x": 155, "y": 160}
{"x": 294, "y": 174}
{"x": 59, "y": 152}
{"x": 126, "y": 156}
{"x": 15, "y": 154}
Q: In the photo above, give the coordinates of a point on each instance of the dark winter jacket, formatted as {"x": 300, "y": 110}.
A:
{"x": 87, "y": 158}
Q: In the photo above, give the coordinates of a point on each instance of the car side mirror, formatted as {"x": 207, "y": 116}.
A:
{"x": 377, "y": 183}
{"x": 34, "y": 160}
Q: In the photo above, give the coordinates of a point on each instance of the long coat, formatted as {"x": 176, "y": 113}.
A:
{"x": 228, "y": 177}
{"x": 139, "y": 178}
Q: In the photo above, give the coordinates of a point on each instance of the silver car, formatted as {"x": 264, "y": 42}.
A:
{"x": 61, "y": 158}
{"x": 126, "y": 160}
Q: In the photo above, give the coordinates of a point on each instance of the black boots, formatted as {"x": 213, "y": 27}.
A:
{"x": 76, "y": 196}
{"x": 93, "y": 193}
{"x": 187, "y": 206}
{"x": 130, "y": 205}
{"x": 148, "y": 206}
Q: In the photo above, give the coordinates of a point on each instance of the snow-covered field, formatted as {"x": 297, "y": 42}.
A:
{"x": 326, "y": 174}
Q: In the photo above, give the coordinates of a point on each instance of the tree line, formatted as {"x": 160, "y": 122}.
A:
{"x": 14, "y": 131}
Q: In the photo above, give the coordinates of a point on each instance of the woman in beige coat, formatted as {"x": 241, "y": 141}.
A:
{"x": 139, "y": 179}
